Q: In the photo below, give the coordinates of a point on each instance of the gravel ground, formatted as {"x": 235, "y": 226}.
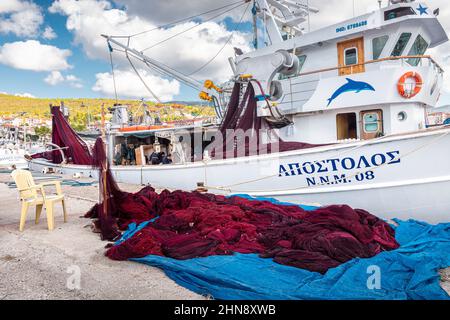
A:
{"x": 38, "y": 264}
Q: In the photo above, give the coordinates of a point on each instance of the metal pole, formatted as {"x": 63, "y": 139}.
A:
{"x": 158, "y": 66}
{"x": 105, "y": 166}
{"x": 89, "y": 117}
{"x": 103, "y": 122}
{"x": 255, "y": 26}
{"x": 309, "y": 13}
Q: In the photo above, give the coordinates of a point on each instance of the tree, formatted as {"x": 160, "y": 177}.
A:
{"x": 42, "y": 131}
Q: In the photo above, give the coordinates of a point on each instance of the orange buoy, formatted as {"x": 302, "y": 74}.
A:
{"x": 401, "y": 85}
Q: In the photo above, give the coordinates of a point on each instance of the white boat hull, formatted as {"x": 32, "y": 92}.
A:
{"x": 8, "y": 159}
{"x": 403, "y": 176}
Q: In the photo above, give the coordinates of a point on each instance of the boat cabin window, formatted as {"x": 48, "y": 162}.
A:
{"x": 301, "y": 60}
{"x": 346, "y": 126}
{"x": 351, "y": 56}
{"x": 378, "y": 45}
{"x": 419, "y": 47}
{"x": 398, "y": 12}
{"x": 371, "y": 124}
{"x": 401, "y": 44}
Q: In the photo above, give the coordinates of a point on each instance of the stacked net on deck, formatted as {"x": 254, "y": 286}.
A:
{"x": 241, "y": 116}
{"x": 74, "y": 148}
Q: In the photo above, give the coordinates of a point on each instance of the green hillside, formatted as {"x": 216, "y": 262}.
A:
{"x": 14, "y": 106}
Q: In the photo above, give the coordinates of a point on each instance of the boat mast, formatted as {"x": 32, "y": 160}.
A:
{"x": 283, "y": 16}
{"x": 269, "y": 22}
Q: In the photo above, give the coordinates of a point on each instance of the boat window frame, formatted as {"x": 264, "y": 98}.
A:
{"x": 399, "y": 12}
{"x": 400, "y": 52}
{"x": 377, "y": 121}
{"x": 387, "y": 37}
{"x": 356, "y": 56}
{"x": 415, "y": 61}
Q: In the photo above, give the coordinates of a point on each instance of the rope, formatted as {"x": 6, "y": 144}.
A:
{"x": 142, "y": 79}
{"x": 223, "y": 47}
{"x": 228, "y": 187}
{"x": 191, "y": 28}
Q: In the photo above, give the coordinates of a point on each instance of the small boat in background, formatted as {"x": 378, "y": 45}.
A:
{"x": 12, "y": 157}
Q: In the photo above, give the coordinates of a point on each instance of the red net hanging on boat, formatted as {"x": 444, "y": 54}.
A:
{"x": 191, "y": 224}
{"x": 241, "y": 117}
{"x": 74, "y": 148}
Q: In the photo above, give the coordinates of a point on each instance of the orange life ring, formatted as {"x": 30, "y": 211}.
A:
{"x": 402, "y": 84}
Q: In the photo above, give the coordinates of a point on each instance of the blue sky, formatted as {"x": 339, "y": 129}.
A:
{"x": 23, "y": 81}
{"x": 78, "y": 24}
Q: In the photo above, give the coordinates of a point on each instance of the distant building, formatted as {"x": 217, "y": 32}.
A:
{"x": 437, "y": 116}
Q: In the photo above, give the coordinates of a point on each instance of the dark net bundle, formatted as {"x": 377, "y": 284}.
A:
{"x": 74, "y": 148}
{"x": 116, "y": 208}
{"x": 186, "y": 225}
{"x": 241, "y": 116}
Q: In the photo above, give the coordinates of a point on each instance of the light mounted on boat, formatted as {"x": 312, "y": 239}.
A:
{"x": 245, "y": 77}
{"x": 205, "y": 96}
{"x": 210, "y": 85}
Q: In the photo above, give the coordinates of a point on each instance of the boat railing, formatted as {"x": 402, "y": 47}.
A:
{"x": 403, "y": 60}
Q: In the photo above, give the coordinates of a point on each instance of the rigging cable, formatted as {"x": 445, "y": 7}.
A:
{"x": 181, "y": 20}
{"x": 223, "y": 47}
{"x": 142, "y": 79}
{"x": 169, "y": 75}
{"x": 112, "y": 69}
{"x": 191, "y": 28}
{"x": 157, "y": 69}
{"x": 240, "y": 3}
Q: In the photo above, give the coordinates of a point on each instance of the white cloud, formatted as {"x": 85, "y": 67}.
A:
{"x": 34, "y": 56}
{"x": 24, "y": 95}
{"x": 88, "y": 19}
{"x": 130, "y": 86}
{"x": 21, "y": 18}
{"x": 74, "y": 81}
{"x": 56, "y": 77}
{"x": 49, "y": 33}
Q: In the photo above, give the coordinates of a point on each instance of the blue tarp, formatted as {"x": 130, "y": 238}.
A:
{"x": 410, "y": 272}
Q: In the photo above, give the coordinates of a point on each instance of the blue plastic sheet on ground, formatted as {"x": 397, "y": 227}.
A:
{"x": 410, "y": 272}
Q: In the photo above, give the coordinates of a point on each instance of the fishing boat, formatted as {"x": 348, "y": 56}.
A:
{"x": 357, "y": 92}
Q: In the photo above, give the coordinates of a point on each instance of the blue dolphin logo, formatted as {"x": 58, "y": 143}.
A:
{"x": 351, "y": 85}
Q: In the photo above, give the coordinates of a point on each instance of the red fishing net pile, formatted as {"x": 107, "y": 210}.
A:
{"x": 192, "y": 224}
{"x": 198, "y": 225}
